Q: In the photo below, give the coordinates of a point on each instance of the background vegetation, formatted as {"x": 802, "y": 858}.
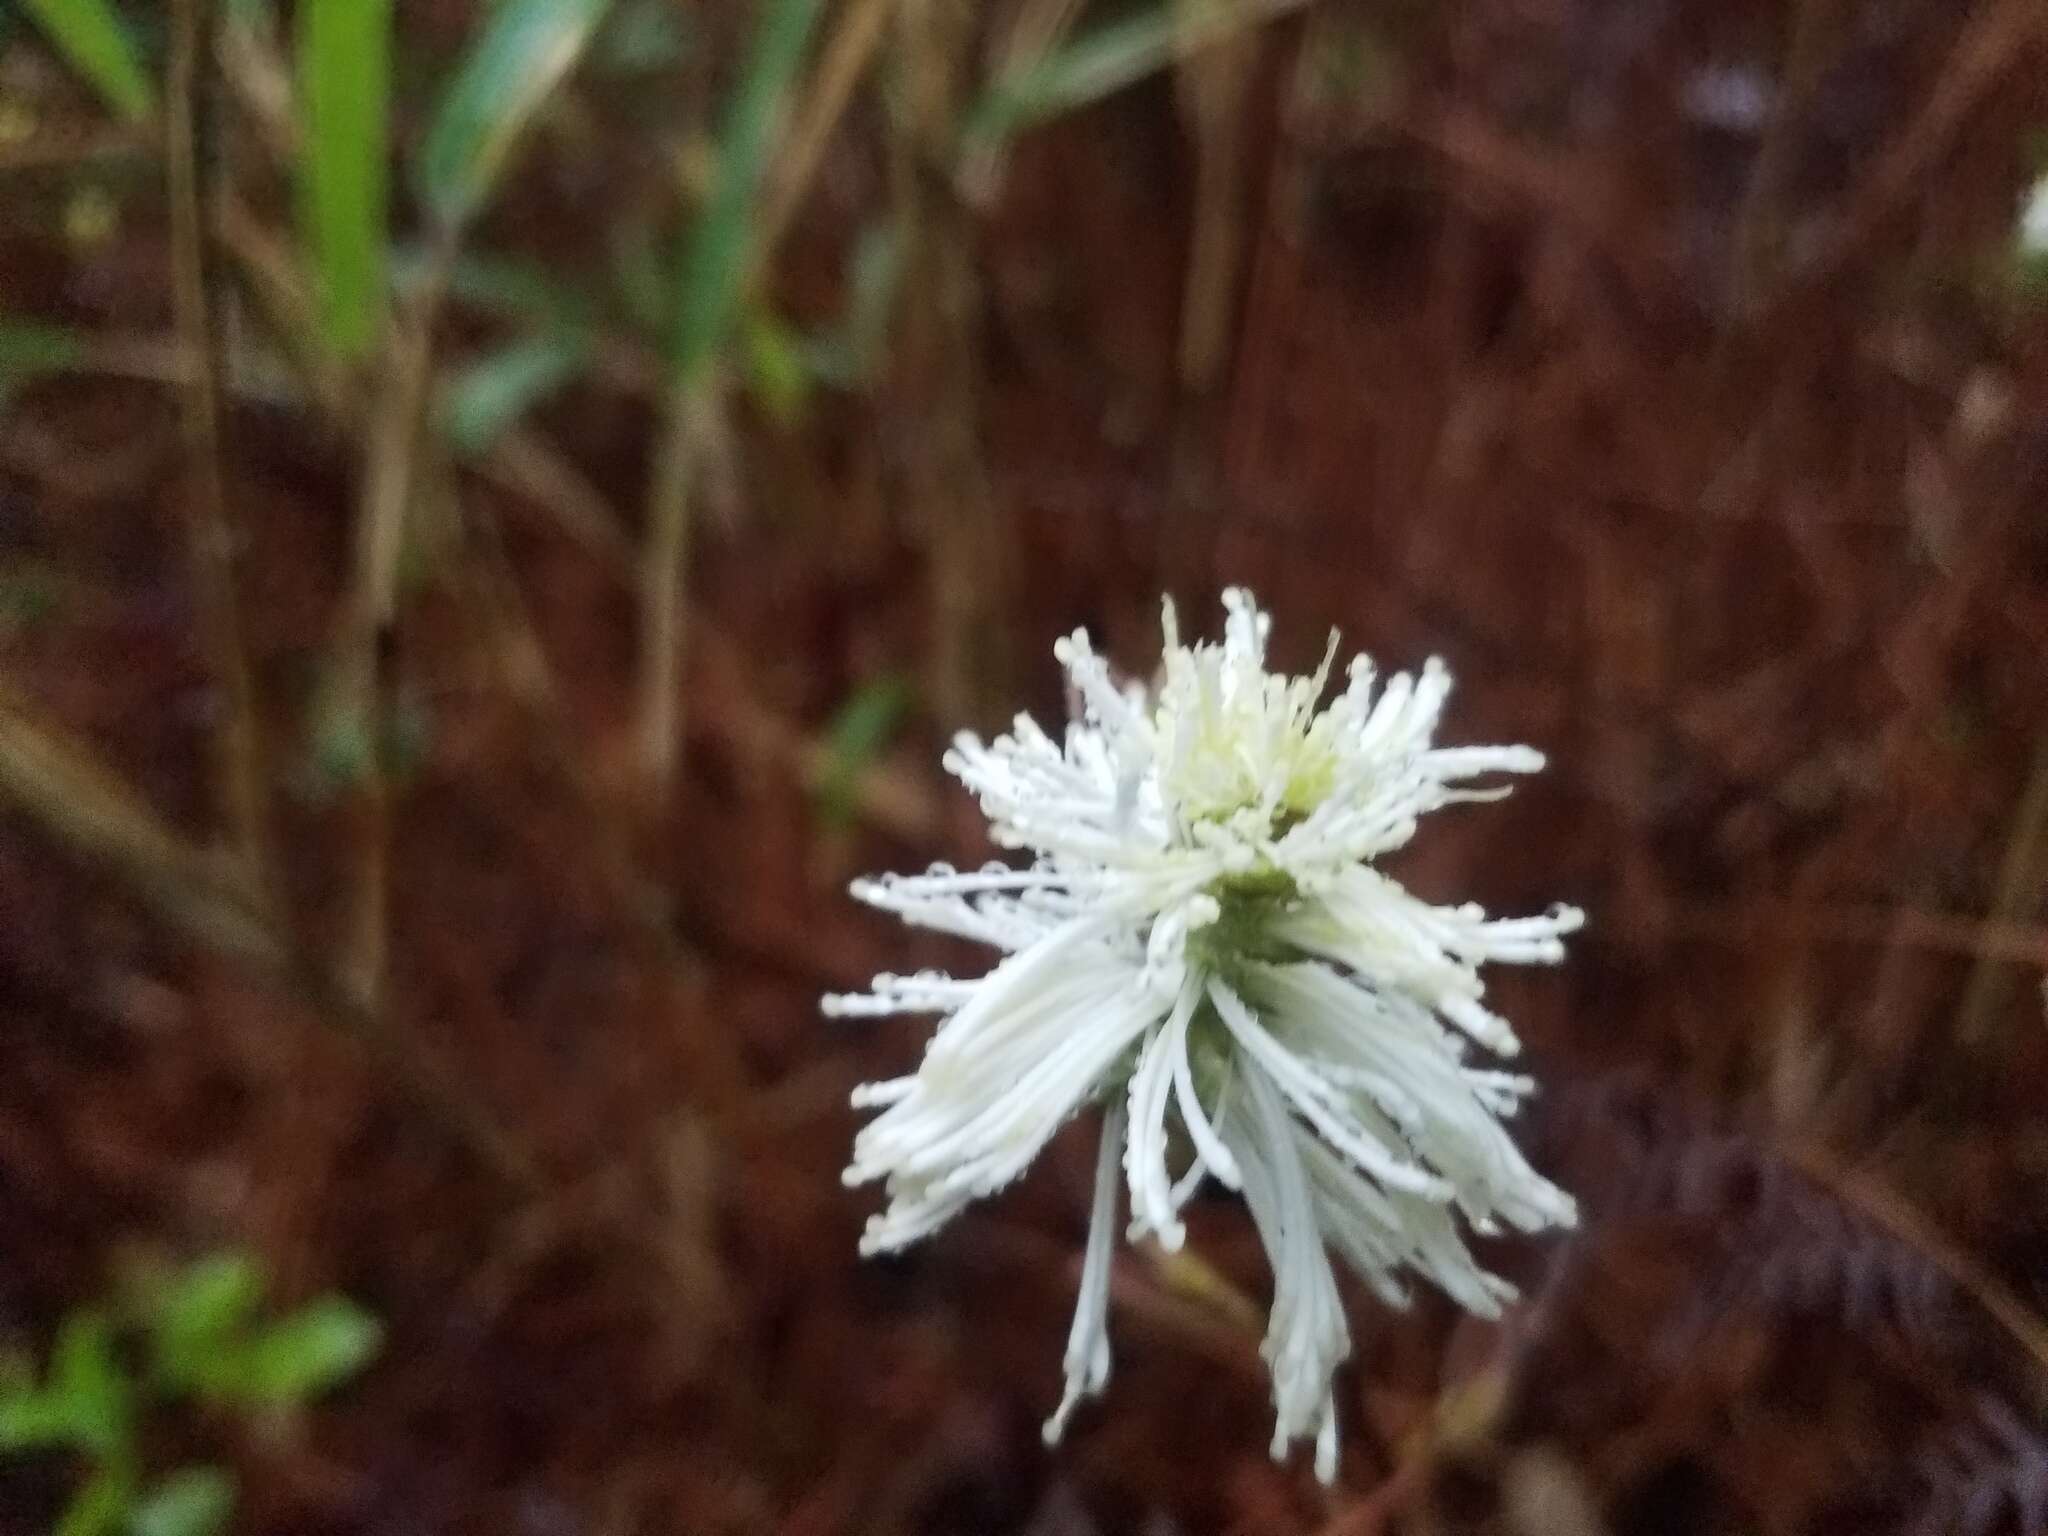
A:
{"x": 501, "y": 503}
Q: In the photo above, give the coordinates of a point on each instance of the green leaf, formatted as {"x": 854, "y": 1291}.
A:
{"x": 101, "y": 1507}
{"x": 33, "y": 1420}
{"x": 29, "y": 348}
{"x": 526, "y": 49}
{"x": 486, "y": 397}
{"x": 721, "y": 241}
{"x": 90, "y": 34}
{"x": 1089, "y": 68}
{"x": 86, "y": 1379}
{"x": 344, "y": 65}
{"x": 507, "y": 286}
{"x": 198, "y": 1314}
{"x": 857, "y": 736}
{"x": 86, "y": 1401}
{"x": 1106, "y": 60}
{"x": 643, "y": 36}
{"x": 195, "y": 1501}
{"x": 319, "y": 1346}
{"x": 778, "y": 373}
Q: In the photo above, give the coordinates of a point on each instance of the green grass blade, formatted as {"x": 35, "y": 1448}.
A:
{"x": 1091, "y": 67}
{"x": 488, "y": 396}
{"x": 90, "y": 34}
{"x": 526, "y": 49}
{"x": 525, "y": 290}
{"x": 344, "y": 62}
{"x": 715, "y": 260}
{"x": 1106, "y": 60}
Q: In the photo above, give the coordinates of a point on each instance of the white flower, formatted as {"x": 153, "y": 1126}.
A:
{"x": 1202, "y": 944}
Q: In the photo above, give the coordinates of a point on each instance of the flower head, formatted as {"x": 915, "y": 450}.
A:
{"x": 1202, "y": 944}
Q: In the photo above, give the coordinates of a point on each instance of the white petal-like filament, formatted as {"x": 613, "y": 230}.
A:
{"x": 1202, "y": 942}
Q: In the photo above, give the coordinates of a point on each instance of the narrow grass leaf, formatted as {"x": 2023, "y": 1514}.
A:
{"x": 507, "y": 286}
{"x": 721, "y": 241}
{"x": 1113, "y": 56}
{"x": 488, "y": 396}
{"x": 526, "y": 49}
{"x": 92, "y": 37}
{"x": 344, "y": 64}
{"x": 1104, "y": 61}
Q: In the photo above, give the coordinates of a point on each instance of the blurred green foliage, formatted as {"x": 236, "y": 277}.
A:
{"x": 197, "y": 1336}
{"x": 344, "y": 75}
{"x": 94, "y": 39}
{"x": 720, "y": 245}
{"x": 527, "y": 46}
{"x": 861, "y": 731}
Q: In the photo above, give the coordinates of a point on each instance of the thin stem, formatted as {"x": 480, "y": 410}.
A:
{"x": 209, "y": 535}
{"x": 664, "y": 582}
{"x": 2018, "y": 889}
{"x": 938, "y": 364}
{"x": 390, "y": 473}
{"x": 823, "y": 104}
{"x": 62, "y": 788}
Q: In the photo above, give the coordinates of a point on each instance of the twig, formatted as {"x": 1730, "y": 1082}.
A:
{"x": 840, "y": 67}
{"x": 526, "y": 675}
{"x": 664, "y": 581}
{"x": 1998, "y": 34}
{"x": 274, "y": 282}
{"x": 939, "y": 366}
{"x": 60, "y": 785}
{"x": 1758, "y": 235}
{"x": 238, "y": 747}
{"x": 65, "y": 148}
{"x": 1851, "y": 924}
{"x": 201, "y": 890}
{"x": 1896, "y": 1215}
{"x": 367, "y": 642}
{"x": 1040, "y": 26}
{"x": 2019, "y": 887}
{"x": 524, "y": 463}
{"x": 1213, "y": 89}
{"x": 1386, "y": 1503}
